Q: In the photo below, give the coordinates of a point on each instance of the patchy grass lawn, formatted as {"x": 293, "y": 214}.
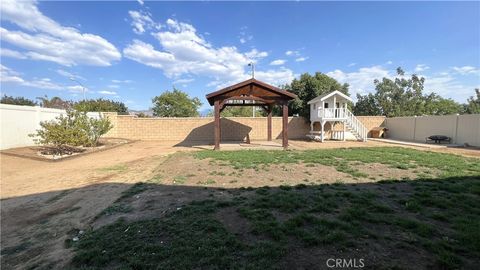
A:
{"x": 203, "y": 220}
{"x": 342, "y": 159}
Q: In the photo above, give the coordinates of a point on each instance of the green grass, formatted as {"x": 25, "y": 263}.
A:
{"x": 403, "y": 158}
{"x": 438, "y": 217}
{"x": 133, "y": 190}
{"x": 207, "y": 182}
{"x": 115, "y": 168}
{"x": 116, "y": 208}
{"x": 121, "y": 205}
{"x": 186, "y": 239}
{"x": 179, "y": 180}
{"x": 58, "y": 196}
{"x": 16, "y": 249}
{"x": 338, "y": 217}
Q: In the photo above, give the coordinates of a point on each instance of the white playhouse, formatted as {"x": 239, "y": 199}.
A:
{"x": 332, "y": 108}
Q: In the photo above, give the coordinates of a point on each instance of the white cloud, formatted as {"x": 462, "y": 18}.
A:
{"x": 114, "y": 86}
{"x": 389, "y": 62}
{"x": 184, "y": 52}
{"x": 301, "y": 59}
{"x": 46, "y": 36}
{"x": 69, "y": 75}
{"x": 292, "y": 53}
{"x": 77, "y": 89}
{"x": 276, "y": 77}
{"x": 43, "y": 83}
{"x": 255, "y": 54}
{"x": 297, "y": 55}
{"x": 141, "y": 21}
{"x": 278, "y": 62}
{"x": 122, "y": 81}
{"x": 244, "y": 37}
{"x": 443, "y": 83}
{"x": 421, "y": 67}
{"x": 106, "y": 92}
{"x": 140, "y": 2}
{"x": 11, "y": 53}
{"x": 8, "y": 75}
{"x": 184, "y": 81}
{"x": 449, "y": 86}
{"x": 360, "y": 81}
{"x": 352, "y": 64}
{"x": 466, "y": 70}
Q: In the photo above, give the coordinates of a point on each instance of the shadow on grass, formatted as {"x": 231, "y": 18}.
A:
{"x": 420, "y": 224}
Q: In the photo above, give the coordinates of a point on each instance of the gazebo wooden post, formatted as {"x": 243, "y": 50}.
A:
{"x": 260, "y": 94}
{"x": 285, "y": 126}
{"x": 217, "y": 124}
{"x": 269, "y": 123}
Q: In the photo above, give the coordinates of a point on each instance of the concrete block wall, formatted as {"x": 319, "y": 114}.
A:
{"x": 201, "y": 128}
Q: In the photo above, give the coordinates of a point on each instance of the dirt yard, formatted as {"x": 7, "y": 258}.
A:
{"x": 44, "y": 203}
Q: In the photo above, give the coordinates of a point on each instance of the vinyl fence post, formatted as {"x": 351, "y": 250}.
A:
{"x": 456, "y": 128}
{"x": 414, "y": 127}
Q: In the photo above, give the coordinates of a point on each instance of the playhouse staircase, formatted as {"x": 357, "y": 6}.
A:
{"x": 355, "y": 126}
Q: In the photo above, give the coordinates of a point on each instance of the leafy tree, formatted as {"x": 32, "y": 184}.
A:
{"x": 142, "y": 115}
{"x": 17, "y": 101}
{"x": 55, "y": 102}
{"x": 70, "y": 130}
{"x": 403, "y": 97}
{"x": 366, "y": 105}
{"x": 175, "y": 103}
{"x": 308, "y": 87}
{"x": 240, "y": 112}
{"x": 473, "y": 103}
{"x": 101, "y": 105}
{"x": 437, "y": 105}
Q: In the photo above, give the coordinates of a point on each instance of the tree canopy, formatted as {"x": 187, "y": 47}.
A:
{"x": 246, "y": 111}
{"x": 366, "y": 105}
{"x": 55, "y": 102}
{"x": 404, "y": 97}
{"x": 473, "y": 103}
{"x": 307, "y": 87}
{"x": 100, "y": 105}
{"x": 17, "y": 101}
{"x": 175, "y": 103}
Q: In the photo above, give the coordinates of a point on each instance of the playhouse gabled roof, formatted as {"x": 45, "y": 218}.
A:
{"x": 328, "y": 95}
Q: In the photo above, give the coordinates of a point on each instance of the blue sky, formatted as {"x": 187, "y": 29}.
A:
{"x": 133, "y": 51}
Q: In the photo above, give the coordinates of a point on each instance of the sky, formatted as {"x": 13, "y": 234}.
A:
{"x": 131, "y": 51}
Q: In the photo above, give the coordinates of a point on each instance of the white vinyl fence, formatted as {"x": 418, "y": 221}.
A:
{"x": 16, "y": 122}
{"x": 461, "y": 128}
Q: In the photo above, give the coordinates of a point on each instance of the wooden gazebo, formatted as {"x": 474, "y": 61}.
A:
{"x": 252, "y": 93}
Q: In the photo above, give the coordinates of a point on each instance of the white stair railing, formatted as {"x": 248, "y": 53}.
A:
{"x": 343, "y": 114}
{"x": 356, "y": 126}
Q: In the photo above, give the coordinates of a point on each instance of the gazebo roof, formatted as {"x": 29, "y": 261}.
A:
{"x": 251, "y": 89}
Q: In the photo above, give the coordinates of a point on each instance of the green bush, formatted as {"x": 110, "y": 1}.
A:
{"x": 73, "y": 129}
